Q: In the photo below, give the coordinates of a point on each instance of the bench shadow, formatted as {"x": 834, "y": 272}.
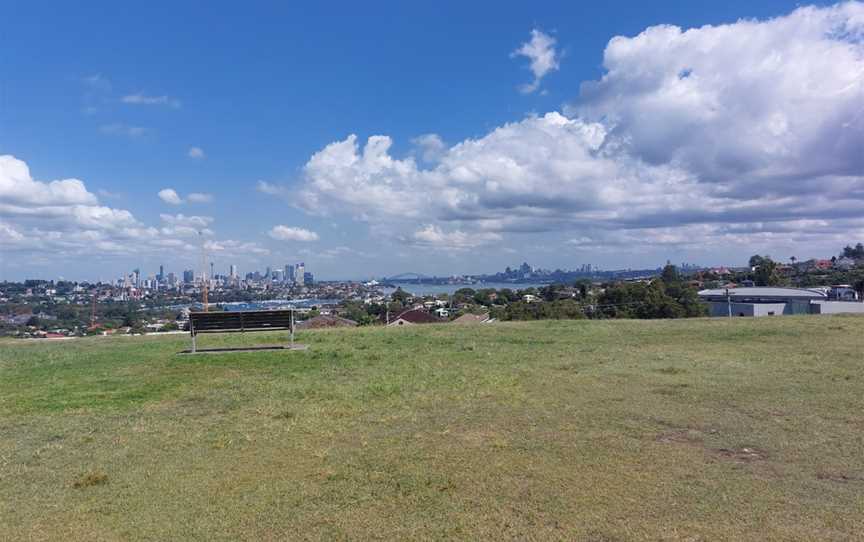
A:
{"x": 244, "y": 349}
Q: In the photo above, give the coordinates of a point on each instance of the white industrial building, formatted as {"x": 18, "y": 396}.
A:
{"x": 768, "y": 301}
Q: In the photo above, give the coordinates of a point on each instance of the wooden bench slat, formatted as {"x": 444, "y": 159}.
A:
{"x": 212, "y": 322}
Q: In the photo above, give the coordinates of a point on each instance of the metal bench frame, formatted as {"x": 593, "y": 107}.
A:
{"x": 240, "y": 322}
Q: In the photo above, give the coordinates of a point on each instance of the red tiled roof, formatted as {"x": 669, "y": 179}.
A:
{"x": 416, "y": 316}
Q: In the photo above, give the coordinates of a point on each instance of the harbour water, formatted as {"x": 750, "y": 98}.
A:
{"x": 272, "y": 304}
{"x": 437, "y": 289}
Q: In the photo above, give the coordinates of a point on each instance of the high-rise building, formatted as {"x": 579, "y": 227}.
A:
{"x": 232, "y": 271}
{"x": 308, "y": 279}
{"x": 299, "y": 273}
{"x": 289, "y": 273}
{"x": 188, "y": 276}
{"x": 161, "y": 276}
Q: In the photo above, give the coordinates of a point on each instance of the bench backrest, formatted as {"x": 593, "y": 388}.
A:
{"x": 217, "y": 322}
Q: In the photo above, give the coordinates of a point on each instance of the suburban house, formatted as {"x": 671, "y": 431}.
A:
{"x": 469, "y": 318}
{"x": 411, "y": 317}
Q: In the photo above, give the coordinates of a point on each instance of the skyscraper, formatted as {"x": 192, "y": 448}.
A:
{"x": 299, "y": 271}
{"x": 289, "y": 273}
{"x": 232, "y": 271}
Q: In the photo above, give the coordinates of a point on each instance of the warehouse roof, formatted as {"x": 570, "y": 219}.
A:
{"x": 762, "y": 293}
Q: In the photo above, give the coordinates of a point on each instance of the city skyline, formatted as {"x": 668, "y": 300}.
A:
{"x": 621, "y": 135}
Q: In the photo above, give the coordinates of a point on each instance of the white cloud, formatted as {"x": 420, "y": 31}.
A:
{"x": 121, "y": 129}
{"x": 268, "y": 188}
{"x": 143, "y": 99}
{"x": 17, "y": 187}
{"x": 170, "y": 196}
{"x": 230, "y": 248}
{"x": 199, "y": 197}
{"x": 430, "y": 146}
{"x": 288, "y": 233}
{"x": 432, "y": 236}
{"x": 197, "y": 222}
{"x": 750, "y": 100}
{"x": 61, "y": 221}
{"x": 543, "y": 57}
{"x": 713, "y": 132}
{"x": 196, "y": 153}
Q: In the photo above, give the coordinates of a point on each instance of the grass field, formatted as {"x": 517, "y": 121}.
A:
{"x": 572, "y": 430}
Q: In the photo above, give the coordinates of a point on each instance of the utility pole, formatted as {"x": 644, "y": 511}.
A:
{"x": 93, "y": 312}
{"x": 729, "y": 302}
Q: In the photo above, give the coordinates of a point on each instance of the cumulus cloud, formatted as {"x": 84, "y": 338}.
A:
{"x": 289, "y": 233}
{"x": 432, "y": 236}
{"x": 196, "y": 153}
{"x": 544, "y": 58}
{"x": 143, "y": 99}
{"x": 751, "y": 100}
{"x": 269, "y": 188}
{"x": 233, "y": 248}
{"x": 170, "y": 196}
{"x": 183, "y": 220}
{"x": 719, "y": 133}
{"x": 17, "y": 187}
{"x": 430, "y": 146}
{"x": 66, "y": 221}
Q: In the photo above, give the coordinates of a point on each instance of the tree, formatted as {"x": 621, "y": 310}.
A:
{"x": 464, "y": 295}
{"x": 131, "y": 319}
{"x": 766, "y": 273}
{"x": 670, "y": 274}
{"x": 756, "y": 260}
{"x": 400, "y": 295}
{"x": 856, "y": 253}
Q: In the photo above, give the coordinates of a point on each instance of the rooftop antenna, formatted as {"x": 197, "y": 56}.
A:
{"x": 204, "y": 282}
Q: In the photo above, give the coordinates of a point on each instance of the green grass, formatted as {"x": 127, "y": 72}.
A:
{"x": 570, "y": 430}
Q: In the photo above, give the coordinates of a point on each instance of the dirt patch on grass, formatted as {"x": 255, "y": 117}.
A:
{"x": 671, "y": 390}
{"x": 681, "y": 436}
{"x": 838, "y": 477}
{"x": 670, "y": 370}
{"x": 696, "y": 437}
{"x": 741, "y": 455}
{"x": 95, "y": 478}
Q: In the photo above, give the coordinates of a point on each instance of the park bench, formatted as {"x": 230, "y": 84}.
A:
{"x": 241, "y": 322}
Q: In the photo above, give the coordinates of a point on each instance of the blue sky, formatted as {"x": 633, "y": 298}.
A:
{"x": 233, "y": 102}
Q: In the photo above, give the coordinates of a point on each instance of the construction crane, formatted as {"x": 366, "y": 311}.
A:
{"x": 204, "y": 281}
